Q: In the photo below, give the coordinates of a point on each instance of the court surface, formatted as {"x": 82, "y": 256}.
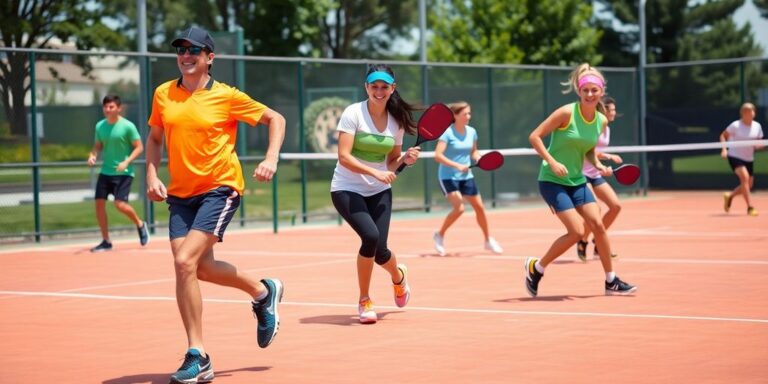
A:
{"x": 700, "y": 314}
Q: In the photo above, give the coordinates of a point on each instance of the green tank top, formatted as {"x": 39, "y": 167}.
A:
{"x": 569, "y": 145}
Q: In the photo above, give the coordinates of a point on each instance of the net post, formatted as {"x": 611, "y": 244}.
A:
{"x": 35, "y": 146}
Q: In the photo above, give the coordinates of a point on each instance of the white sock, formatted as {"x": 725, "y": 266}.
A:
{"x": 609, "y": 276}
{"x": 539, "y": 267}
{"x": 261, "y": 296}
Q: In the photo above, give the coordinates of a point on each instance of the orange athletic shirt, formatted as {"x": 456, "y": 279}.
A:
{"x": 200, "y": 132}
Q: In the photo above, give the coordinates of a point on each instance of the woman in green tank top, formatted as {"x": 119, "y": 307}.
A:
{"x": 573, "y": 130}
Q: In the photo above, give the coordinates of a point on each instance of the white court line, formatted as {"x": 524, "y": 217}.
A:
{"x": 411, "y": 308}
{"x": 432, "y": 254}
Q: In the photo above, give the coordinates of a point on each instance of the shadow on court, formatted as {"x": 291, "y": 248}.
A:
{"x": 547, "y": 298}
{"x": 162, "y": 378}
{"x": 343, "y": 320}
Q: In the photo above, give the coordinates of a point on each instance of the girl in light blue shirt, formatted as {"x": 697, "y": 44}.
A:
{"x": 455, "y": 151}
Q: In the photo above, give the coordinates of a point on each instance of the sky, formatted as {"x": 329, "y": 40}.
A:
{"x": 748, "y": 13}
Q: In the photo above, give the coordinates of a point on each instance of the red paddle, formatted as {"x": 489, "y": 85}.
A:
{"x": 435, "y": 120}
{"x": 627, "y": 174}
{"x": 490, "y": 161}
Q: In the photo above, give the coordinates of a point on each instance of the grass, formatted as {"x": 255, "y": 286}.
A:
{"x": 257, "y": 200}
{"x": 716, "y": 164}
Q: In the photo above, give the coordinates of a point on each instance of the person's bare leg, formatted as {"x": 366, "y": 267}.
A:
{"x": 364, "y": 272}
{"x": 457, "y": 209}
{"x": 574, "y": 225}
{"x": 187, "y": 253}
{"x": 591, "y": 215}
{"x": 482, "y": 221}
{"x": 745, "y": 184}
{"x": 101, "y": 218}
{"x": 222, "y": 273}
{"x": 605, "y": 193}
{"x": 128, "y": 211}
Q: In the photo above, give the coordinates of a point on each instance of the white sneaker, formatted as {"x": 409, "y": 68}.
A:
{"x": 439, "y": 247}
{"x": 366, "y": 312}
{"x": 493, "y": 246}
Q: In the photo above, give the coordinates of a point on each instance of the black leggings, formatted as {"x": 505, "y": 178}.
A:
{"x": 369, "y": 217}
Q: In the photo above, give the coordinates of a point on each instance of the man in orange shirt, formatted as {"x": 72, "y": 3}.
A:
{"x": 197, "y": 116}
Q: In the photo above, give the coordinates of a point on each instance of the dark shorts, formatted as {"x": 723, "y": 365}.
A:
{"x": 563, "y": 197}
{"x": 465, "y": 187}
{"x": 735, "y": 163}
{"x": 596, "y": 181}
{"x": 118, "y": 186}
{"x": 210, "y": 212}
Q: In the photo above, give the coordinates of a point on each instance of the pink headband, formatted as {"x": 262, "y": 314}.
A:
{"x": 591, "y": 79}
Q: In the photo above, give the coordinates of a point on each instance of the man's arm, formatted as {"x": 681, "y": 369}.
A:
{"x": 276, "y": 123}
{"x": 155, "y": 188}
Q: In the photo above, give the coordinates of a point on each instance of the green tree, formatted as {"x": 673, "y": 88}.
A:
{"x": 34, "y": 24}
{"x": 677, "y": 31}
{"x": 671, "y": 24}
{"x": 364, "y": 28}
{"x": 762, "y": 5}
{"x": 555, "y": 32}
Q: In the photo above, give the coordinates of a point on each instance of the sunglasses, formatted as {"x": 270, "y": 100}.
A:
{"x": 194, "y": 51}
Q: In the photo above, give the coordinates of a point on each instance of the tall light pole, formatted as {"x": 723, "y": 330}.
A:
{"x": 641, "y": 81}
{"x": 423, "y": 31}
{"x": 141, "y": 32}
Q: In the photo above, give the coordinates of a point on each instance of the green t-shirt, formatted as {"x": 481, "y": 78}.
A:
{"x": 117, "y": 140}
{"x": 569, "y": 145}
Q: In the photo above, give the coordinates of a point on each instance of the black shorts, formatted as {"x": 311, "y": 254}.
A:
{"x": 736, "y": 162}
{"x": 118, "y": 186}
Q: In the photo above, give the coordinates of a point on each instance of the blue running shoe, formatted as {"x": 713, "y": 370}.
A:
{"x": 265, "y": 311}
{"x": 143, "y": 234}
{"x": 195, "y": 369}
{"x": 618, "y": 287}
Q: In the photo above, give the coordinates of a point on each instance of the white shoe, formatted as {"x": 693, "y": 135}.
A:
{"x": 493, "y": 246}
{"x": 366, "y": 312}
{"x": 439, "y": 247}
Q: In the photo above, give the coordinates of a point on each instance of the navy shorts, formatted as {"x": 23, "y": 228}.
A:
{"x": 210, "y": 212}
{"x": 596, "y": 181}
{"x": 118, "y": 186}
{"x": 465, "y": 187}
{"x": 563, "y": 197}
{"x": 736, "y": 162}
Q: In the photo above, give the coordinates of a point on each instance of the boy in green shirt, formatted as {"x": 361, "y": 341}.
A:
{"x": 120, "y": 143}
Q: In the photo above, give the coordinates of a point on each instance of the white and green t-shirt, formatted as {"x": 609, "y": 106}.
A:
{"x": 371, "y": 147}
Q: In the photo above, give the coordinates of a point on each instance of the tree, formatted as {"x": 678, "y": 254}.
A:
{"x": 364, "y": 28}
{"x": 762, "y": 6}
{"x": 555, "y": 32}
{"x": 677, "y": 31}
{"x": 34, "y": 24}
{"x": 669, "y": 23}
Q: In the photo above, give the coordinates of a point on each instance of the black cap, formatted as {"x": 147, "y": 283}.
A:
{"x": 196, "y": 36}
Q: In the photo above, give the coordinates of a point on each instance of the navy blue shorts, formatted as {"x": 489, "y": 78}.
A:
{"x": 736, "y": 162}
{"x": 596, "y": 181}
{"x": 210, "y": 212}
{"x": 563, "y": 197}
{"x": 465, "y": 187}
{"x": 119, "y": 186}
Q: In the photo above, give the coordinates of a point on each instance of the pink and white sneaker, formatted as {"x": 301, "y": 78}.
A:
{"x": 365, "y": 309}
{"x": 402, "y": 290}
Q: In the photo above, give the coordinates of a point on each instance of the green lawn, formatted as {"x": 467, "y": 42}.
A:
{"x": 257, "y": 200}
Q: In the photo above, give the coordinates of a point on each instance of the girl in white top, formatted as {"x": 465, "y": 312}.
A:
{"x": 741, "y": 159}
{"x": 598, "y": 185}
{"x": 370, "y": 140}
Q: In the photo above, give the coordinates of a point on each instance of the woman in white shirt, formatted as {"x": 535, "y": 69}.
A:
{"x": 741, "y": 159}
{"x": 370, "y": 141}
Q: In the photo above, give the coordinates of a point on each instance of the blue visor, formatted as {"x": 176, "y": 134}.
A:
{"x": 380, "y": 76}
